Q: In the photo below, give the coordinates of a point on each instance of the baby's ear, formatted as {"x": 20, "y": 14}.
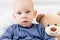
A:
{"x": 13, "y": 16}
{"x": 58, "y": 13}
{"x": 35, "y": 13}
{"x": 39, "y": 17}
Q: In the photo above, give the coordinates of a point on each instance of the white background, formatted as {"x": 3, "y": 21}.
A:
{"x": 42, "y": 6}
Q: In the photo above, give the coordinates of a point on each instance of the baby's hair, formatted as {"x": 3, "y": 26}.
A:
{"x": 24, "y": 0}
{"x": 18, "y": 1}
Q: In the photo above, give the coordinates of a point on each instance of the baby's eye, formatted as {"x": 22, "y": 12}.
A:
{"x": 18, "y": 12}
{"x": 55, "y": 24}
{"x": 27, "y": 11}
{"x": 48, "y": 25}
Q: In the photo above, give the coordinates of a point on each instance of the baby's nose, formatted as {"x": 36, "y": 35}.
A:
{"x": 24, "y": 16}
{"x": 53, "y": 29}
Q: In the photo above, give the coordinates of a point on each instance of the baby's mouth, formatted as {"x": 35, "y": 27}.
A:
{"x": 24, "y": 21}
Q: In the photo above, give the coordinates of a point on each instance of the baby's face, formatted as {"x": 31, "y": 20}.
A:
{"x": 24, "y": 13}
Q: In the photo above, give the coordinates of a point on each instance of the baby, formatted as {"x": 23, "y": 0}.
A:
{"x": 24, "y": 29}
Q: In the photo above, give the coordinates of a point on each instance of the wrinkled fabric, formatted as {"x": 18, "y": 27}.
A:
{"x": 18, "y": 32}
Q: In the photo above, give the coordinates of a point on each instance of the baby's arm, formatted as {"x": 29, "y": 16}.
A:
{"x": 41, "y": 32}
{"x": 8, "y": 35}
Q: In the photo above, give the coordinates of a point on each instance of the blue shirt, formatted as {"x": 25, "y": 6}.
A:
{"x": 18, "y": 32}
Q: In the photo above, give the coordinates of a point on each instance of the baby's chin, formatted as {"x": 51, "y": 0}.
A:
{"x": 26, "y": 25}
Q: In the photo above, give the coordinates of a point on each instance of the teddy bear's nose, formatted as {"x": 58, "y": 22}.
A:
{"x": 53, "y": 29}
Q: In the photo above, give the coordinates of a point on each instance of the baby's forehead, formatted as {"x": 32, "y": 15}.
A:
{"x": 22, "y": 4}
{"x": 24, "y": 1}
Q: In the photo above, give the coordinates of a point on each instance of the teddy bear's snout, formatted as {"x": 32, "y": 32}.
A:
{"x": 53, "y": 29}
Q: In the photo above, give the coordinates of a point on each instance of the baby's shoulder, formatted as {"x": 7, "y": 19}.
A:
{"x": 13, "y": 26}
{"x": 38, "y": 25}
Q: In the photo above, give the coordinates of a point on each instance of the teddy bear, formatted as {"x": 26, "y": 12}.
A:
{"x": 51, "y": 24}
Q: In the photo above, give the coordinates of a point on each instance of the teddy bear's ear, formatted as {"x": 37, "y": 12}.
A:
{"x": 58, "y": 13}
{"x": 39, "y": 17}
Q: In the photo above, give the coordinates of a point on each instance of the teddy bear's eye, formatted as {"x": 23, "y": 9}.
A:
{"x": 48, "y": 25}
{"x": 55, "y": 24}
